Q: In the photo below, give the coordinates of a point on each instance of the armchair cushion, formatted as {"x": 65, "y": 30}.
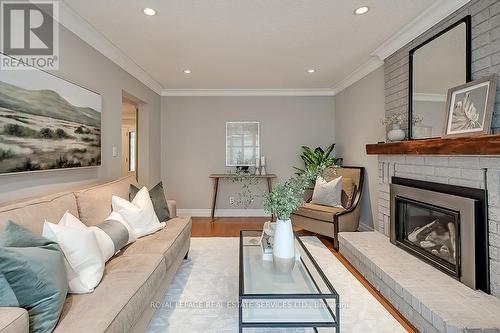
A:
{"x": 347, "y": 192}
{"x": 318, "y": 212}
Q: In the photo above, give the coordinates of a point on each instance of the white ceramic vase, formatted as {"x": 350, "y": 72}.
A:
{"x": 396, "y": 133}
{"x": 284, "y": 247}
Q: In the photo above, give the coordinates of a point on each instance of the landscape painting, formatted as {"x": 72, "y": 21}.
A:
{"x": 47, "y": 123}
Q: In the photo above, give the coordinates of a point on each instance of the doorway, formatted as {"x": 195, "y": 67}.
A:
{"x": 129, "y": 138}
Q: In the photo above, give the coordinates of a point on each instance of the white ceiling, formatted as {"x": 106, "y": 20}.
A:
{"x": 248, "y": 44}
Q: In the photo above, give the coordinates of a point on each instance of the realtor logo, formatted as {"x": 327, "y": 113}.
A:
{"x": 30, "y": 34}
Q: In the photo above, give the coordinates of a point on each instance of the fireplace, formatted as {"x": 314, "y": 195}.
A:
{"x": 444, "y": 225}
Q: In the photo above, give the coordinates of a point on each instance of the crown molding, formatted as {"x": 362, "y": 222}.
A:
{"x": 423, "y": 22}
{"x": 248, "y": 92}
{"x": 431, "y": 16}
{"x": 429, "y": 97}
{"x": 358, "y": 74}
{"x": 83, "y": 29}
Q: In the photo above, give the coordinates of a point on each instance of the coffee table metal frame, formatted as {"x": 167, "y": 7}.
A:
{"x": 332, "y": 295}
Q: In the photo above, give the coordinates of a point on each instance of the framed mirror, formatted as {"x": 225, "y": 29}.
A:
{"x": 242, "y": 143}
{"x": 436, "y": 65}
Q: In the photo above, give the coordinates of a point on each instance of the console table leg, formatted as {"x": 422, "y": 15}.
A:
{"x": 214, "y": 197}
{"x": 270, "y": 189}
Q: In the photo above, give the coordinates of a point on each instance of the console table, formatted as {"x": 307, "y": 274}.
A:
{"x": 217, "y": 176}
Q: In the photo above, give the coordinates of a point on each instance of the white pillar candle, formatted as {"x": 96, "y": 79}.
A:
{"x": 257, "y": 162}
{"x": 263, "y": 161}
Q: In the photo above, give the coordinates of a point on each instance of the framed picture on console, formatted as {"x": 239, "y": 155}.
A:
{"x": 47, "y": 123}
{"x": 470, "y": 108}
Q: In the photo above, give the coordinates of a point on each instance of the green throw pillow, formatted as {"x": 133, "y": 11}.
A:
{"x": 157, "y": 196}
{"x": 7, "y": 296}
{"x": 33, "y": 267}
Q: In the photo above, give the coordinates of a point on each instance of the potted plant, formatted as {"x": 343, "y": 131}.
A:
{"x": 285, "y": 198}
{"x": 318, "y": 157}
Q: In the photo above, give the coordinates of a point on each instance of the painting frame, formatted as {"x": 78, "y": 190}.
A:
{"x": 98, "y": 133}
{"x": 455, "y": 106}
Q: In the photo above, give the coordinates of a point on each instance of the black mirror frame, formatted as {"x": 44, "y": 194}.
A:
{"x": 468, "y": 58}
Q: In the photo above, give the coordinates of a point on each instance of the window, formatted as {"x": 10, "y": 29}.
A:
{"x": 132, "y": 142}
{"x": 242, "y": 143}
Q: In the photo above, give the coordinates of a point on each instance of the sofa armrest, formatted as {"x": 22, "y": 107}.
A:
{"x": 14, "y": 320}
{"x": 172, "y": 208}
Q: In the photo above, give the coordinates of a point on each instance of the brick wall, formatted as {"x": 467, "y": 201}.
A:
{"x": 485, "y": 54}
{"x": 455, "y": 170}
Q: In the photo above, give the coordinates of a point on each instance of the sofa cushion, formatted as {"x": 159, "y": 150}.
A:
{"x": 318, "y": 212}
{"x": 94, "y": 203}
{"x": 129, "y": 283}
{"x": 31, "y": 213}
{"x": 14, "y": 320}
{"x": 166, "y": 242}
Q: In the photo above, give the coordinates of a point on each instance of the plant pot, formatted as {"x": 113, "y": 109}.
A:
{"x": 396, "y": 133}
{"x": 284, "y": 247}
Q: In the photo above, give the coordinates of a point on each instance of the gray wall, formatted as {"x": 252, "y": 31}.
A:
{"x": 83, "y": 65}
{"x": 193, "y": 139}
{"x": 358, "y": 111}
{"x": 485, "y": 54}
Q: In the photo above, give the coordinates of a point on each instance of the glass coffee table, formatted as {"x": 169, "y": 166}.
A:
{"x": 303, "y": 298}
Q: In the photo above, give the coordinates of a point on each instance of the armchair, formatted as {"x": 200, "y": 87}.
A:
{"x": 329, "y": 221}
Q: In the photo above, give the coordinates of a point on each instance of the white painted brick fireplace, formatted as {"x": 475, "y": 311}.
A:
{"x": 430, "y": 299}
{"x": 475, "y": 172}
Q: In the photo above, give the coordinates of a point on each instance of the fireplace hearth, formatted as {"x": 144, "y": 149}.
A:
{"x": 445, "y": 226}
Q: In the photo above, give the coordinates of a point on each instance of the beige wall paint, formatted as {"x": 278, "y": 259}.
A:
{"x": 358, "y": 111}
{"x": 193, "y": 140}
{"x": 83, "y": 65}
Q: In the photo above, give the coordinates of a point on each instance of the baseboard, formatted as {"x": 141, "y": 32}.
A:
{"x": 364, "y": 227}
{"x": 223, "y": 212}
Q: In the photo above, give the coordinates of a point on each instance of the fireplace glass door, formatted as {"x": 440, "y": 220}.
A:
{"x": 429, "y": 231}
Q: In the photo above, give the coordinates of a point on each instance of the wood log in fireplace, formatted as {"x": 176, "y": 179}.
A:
{"x": 436, "y": 238}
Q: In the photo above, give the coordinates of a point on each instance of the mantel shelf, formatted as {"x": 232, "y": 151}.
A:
{"x": 473, "y": 145}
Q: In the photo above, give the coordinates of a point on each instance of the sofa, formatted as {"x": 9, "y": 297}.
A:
{"x": 329, "y": 221}
{"x": 133, "y": 279}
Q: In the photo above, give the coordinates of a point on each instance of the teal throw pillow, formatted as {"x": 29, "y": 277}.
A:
{"x": 33, "y": 267}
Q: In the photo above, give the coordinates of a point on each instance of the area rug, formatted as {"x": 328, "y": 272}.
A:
{"x": 203, "y": 296}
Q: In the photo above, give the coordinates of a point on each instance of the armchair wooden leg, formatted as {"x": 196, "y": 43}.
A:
{"x": 336, "y": 233}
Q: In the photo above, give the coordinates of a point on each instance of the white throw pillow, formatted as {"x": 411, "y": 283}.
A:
{"x": 328, "y": 193}
{"x": 111, "y": 235}
{"x": 83, "y": 259}
{"x": 139, "y": 214}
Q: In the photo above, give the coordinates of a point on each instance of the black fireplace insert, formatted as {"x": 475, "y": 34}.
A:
{"x": 443, "y": 225}
{"x": 431, "y": 232}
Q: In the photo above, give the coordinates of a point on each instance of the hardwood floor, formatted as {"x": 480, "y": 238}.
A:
{"x": 230, "y": 227}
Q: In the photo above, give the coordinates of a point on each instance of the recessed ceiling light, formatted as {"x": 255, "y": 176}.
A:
{"x": 312, "y": 70}
{"x": 362, "y": 10}
{"x": 149, "y": 11}
{"x": 187, "y": 71}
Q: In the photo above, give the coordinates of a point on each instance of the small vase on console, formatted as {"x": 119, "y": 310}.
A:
{"x": 284, "y": 247}
{"x": 263, "y": 166}
{"x": 257, "y": 166}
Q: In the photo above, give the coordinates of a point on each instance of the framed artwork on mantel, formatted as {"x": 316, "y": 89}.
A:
{"x": 470, "y": 108}
{"x": 47, "y": 123}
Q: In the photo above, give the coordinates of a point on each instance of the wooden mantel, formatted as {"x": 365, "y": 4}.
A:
{"x": 473, "y": 145}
